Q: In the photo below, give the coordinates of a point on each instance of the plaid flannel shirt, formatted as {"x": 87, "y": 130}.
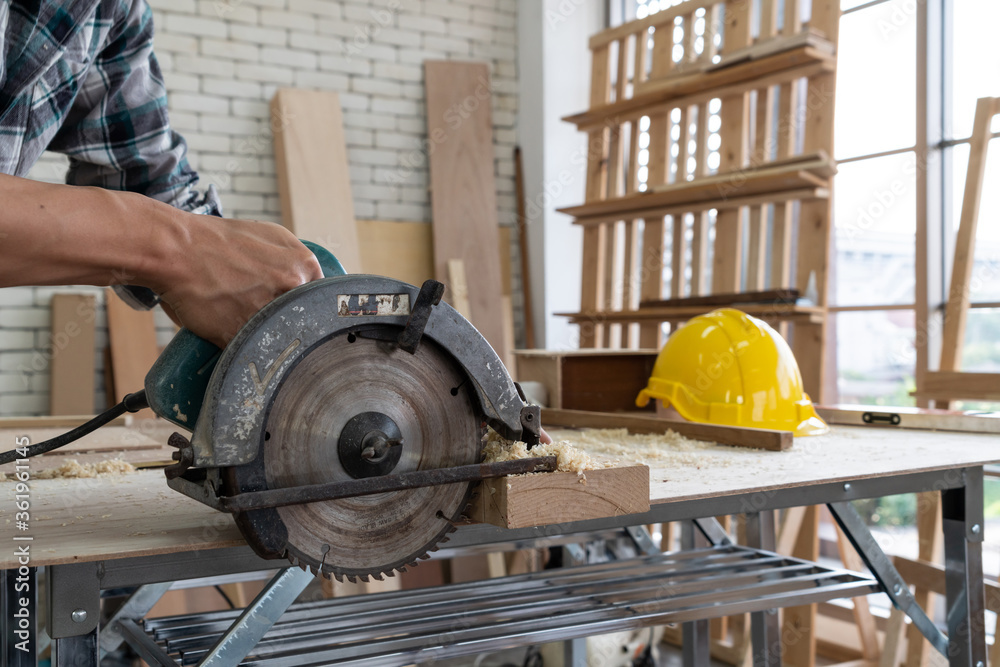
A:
{"x": 79, "y": 77}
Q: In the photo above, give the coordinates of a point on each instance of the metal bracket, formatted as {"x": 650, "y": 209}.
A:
{"x": 137, "y": 606}
{"x": 257, "y": 618}
{"x": 74, "y": 593}
{"x": 643, "y": 541}
{"x": 713, "y": 531}
{"x": 885, "y": 572}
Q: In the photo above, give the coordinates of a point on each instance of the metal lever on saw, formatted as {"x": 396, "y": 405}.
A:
{"x": 429, "y": 296}
{"x": 176, "y": 384}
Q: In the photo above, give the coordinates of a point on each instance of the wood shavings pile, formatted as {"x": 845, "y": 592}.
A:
{"x": 72, "y": 469}
{"x": 497, "y": 449}
{"x": 668, "y": 449}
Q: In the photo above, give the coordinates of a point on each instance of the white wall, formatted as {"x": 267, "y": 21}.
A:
{"x": 555, "y": 82}
{"x": 222, "y": 61}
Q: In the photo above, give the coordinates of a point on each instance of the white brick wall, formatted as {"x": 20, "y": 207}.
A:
{"x": 222, "y": 61}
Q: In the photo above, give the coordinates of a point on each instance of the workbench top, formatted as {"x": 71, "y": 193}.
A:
{"x": 136, "y": 514}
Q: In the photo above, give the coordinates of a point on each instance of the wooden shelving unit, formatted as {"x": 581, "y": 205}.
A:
{"x": 710, "y": 131}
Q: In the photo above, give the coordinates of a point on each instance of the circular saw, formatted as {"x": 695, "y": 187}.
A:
{"x": 342, "y": 426}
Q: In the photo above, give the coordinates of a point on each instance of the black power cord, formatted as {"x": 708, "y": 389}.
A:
{"x": 131, "y": 403}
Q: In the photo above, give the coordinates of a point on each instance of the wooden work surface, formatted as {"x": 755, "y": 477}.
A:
{"x": 137, "y": 514}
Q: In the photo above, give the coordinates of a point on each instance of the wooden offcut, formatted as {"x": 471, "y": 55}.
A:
{"x": 73, "y": 333}
{"x": 522, "y": 501}
{"x": 132, "y": 339}
{"x": 755, "y": 438}
{"x": 463, "y": 187}
{"x": 313, "y": 177}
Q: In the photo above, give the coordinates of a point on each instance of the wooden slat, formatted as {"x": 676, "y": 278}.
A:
{"x": 957, "y": 308}
{"x": 653, "y": 228}
{"x": 716, "y": 190}
{"x": 930, "y": 543}
{"x": 800, "y": 622}
{"x": 700, "y": 87}
{"x": 754, "y": 438}
{"x": 664, "y": 17}
{"x": 313, "y": 178}
{"x": 72, "y": 378}
{"x": 592, "y": 286}
{"x": 784, "y": 296}
{"x": 764, "y": 118}
{"x": 609, "y": 274}
{"x": 947, "y": 385}
{"x": 463, "y": 189}
{"x": 863, "y": 618}
{"x": 641, "y": 51}
{"x": 770, "y": 311}
{"x": 678, "y": 251}
{"x": 458, "y": 287}
{"x": 132, "y": 337}
{"x": 522, "y": 501}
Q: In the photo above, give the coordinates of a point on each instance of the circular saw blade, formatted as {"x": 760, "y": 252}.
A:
{"x": 423, "y": 394}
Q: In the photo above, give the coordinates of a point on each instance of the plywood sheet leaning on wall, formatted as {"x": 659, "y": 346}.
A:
{"x": 313, "y": 179}
{"x": 463, "y": 187}
{"x": 73, "y": 333}
{"x": 132, "y": 337}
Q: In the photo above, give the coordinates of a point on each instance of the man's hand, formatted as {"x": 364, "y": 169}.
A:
{"x": 212, "y": 273}
{"x": 230, "y": 270}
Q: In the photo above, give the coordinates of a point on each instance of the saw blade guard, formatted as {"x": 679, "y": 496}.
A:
{"x": 250, "y": 371}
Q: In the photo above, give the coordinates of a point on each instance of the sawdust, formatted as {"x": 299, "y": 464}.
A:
{"x": 569, "y": 459}
{"x": 668, "y": 449}
{"x": 73, "y": 469}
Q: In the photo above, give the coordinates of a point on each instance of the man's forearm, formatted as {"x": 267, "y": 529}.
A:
{"x": 68, "y": 235}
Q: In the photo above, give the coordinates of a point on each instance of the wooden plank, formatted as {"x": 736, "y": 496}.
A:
{"x": 72, "y": 369}
{"x": 930, "y": 543}
{"x": 771, "y": 311}
{"x": 593, "y": 380}
{"x": 463, "y": 187}
{"x": 522, "y": 501}
{"x": 787, "y": 296}
{"x": 651, "y": 286}
{"x": 755, "y": 438}
{"x": 690, "y": 89}
{"x": 717, "y": 188}
{"x": 878, "y": 416}
{"x": 863, "y": 618}
{"x": 957, "y": 308}
{"x": 312, "y": 166}
{"x": 957, "y": 384}
{"x": 892, "y": 646}
{"x": 405, "y": 251}
{"x": 132, "y": 335}
{"x": 522, "y": 246}
{"x": 664, "y": 17}
{"x": 458, "y": 287}
{"x": 592, "y": 286}
{"x": 800, "y": 622}
{"x": 140, "y": 500}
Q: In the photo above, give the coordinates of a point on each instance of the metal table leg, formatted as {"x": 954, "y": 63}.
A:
{"x": 695, "y": 648}
{"x": 765, "y": 635}
{"x": 962, "y": 514}
{"x": 78, "y": 651}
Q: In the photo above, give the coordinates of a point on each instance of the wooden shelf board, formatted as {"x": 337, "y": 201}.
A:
{"x": 714, "y": 190}
{"x": 699, "y": 86}
{"x": 765, "y": 311}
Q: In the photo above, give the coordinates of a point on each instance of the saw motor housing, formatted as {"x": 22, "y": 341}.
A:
{"x": 224, "y": 458}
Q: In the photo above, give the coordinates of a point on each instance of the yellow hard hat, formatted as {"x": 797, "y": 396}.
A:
{"x": 726, "y": 367}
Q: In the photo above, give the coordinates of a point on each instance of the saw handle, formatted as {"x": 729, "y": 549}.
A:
{"x": 176, "y": 384}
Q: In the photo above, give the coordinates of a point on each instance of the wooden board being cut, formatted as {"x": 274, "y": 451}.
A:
{"x": 520, "y": 501}
{"x": 463, "y": 187}
{"x": 140, "y": 445}
{"x": 313, "y": 179}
